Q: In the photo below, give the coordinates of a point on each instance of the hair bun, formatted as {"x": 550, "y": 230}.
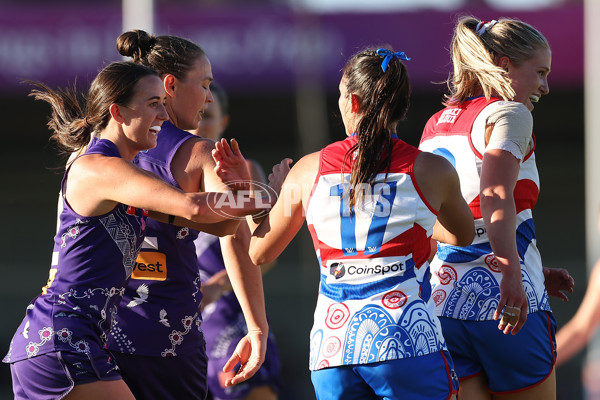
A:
{"x": 146, "y": 42}
{"x": 135, "y": 43}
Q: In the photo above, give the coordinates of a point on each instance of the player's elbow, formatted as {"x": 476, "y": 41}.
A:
{"x": 226, "y": 228}
{"x": 258, "y": 255}
{"x": 466, "y": 236}
{"x": 257, "y": 258}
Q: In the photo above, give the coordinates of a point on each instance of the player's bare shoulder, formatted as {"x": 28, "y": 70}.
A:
{"x": 201, "y": 148}
{"x": 192, "y": 160}
{"x": 432, "y": 166}
{"x": 306, "y": 169}
{"x": 435, "y": 177}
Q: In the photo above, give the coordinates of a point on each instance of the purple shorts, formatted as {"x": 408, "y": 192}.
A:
{"x": 175, "y": 378}
{"x": 52, "y": 375}
{"x": 510, "y": 362}
{"x": 417, "y": 378}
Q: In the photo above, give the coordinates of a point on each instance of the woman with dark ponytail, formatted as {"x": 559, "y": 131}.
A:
{"x": 59, "y": 350}
{"x": 371, "y": 203}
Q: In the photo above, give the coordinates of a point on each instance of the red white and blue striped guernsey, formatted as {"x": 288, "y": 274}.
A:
{"x": 374, "y": 301}
{"x": 466, "y": 280}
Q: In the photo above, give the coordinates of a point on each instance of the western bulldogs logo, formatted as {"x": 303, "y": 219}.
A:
{"x": 337, "y": 270}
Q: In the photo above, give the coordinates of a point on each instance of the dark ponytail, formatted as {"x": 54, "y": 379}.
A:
{"x": 68, "y": 122}
{"x": 383, "y": 102}
{"x": 75, "y": 116}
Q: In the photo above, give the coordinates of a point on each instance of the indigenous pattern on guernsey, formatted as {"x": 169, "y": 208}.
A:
{"x": 77, "y": 306}
{"x": 374, "y": 301}
{"x": 159, "y": 315}
{"x": 466, "y": 280}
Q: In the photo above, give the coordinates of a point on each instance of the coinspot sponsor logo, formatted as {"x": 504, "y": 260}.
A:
{"x": 338, "y": 270}
{"x": 260, "y": 199}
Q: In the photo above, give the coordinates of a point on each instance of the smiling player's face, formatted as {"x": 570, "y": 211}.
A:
{"x": 145, "y": 113}
{"x": 530, "y": 78}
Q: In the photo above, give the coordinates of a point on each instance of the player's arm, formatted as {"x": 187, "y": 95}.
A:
{"x": 440, "y": 185}
{"x": 576, "y": 334}
{"x": 287, "y": 216}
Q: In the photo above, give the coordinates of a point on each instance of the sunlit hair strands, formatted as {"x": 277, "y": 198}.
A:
{"x": 75, "y": 115}
{"x": 476, "y": 48}
{"x": 166, "y": 54}
{"x": 383, "y": 98}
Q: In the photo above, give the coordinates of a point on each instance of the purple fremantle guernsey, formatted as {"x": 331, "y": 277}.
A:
{"x": 159, "y": 314}
{"x": 91, "y": 261}
{"x": 224, "y": 326}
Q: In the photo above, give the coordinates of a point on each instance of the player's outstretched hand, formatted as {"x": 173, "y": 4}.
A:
{"x": 250, "y": 354}
{"x": 231, "y": 165}
{"x": 280, "y": 171}
{"x": 558, "y": 281}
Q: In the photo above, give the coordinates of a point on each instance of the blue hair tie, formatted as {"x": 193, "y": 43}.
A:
{"x": 388, "y": 55}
